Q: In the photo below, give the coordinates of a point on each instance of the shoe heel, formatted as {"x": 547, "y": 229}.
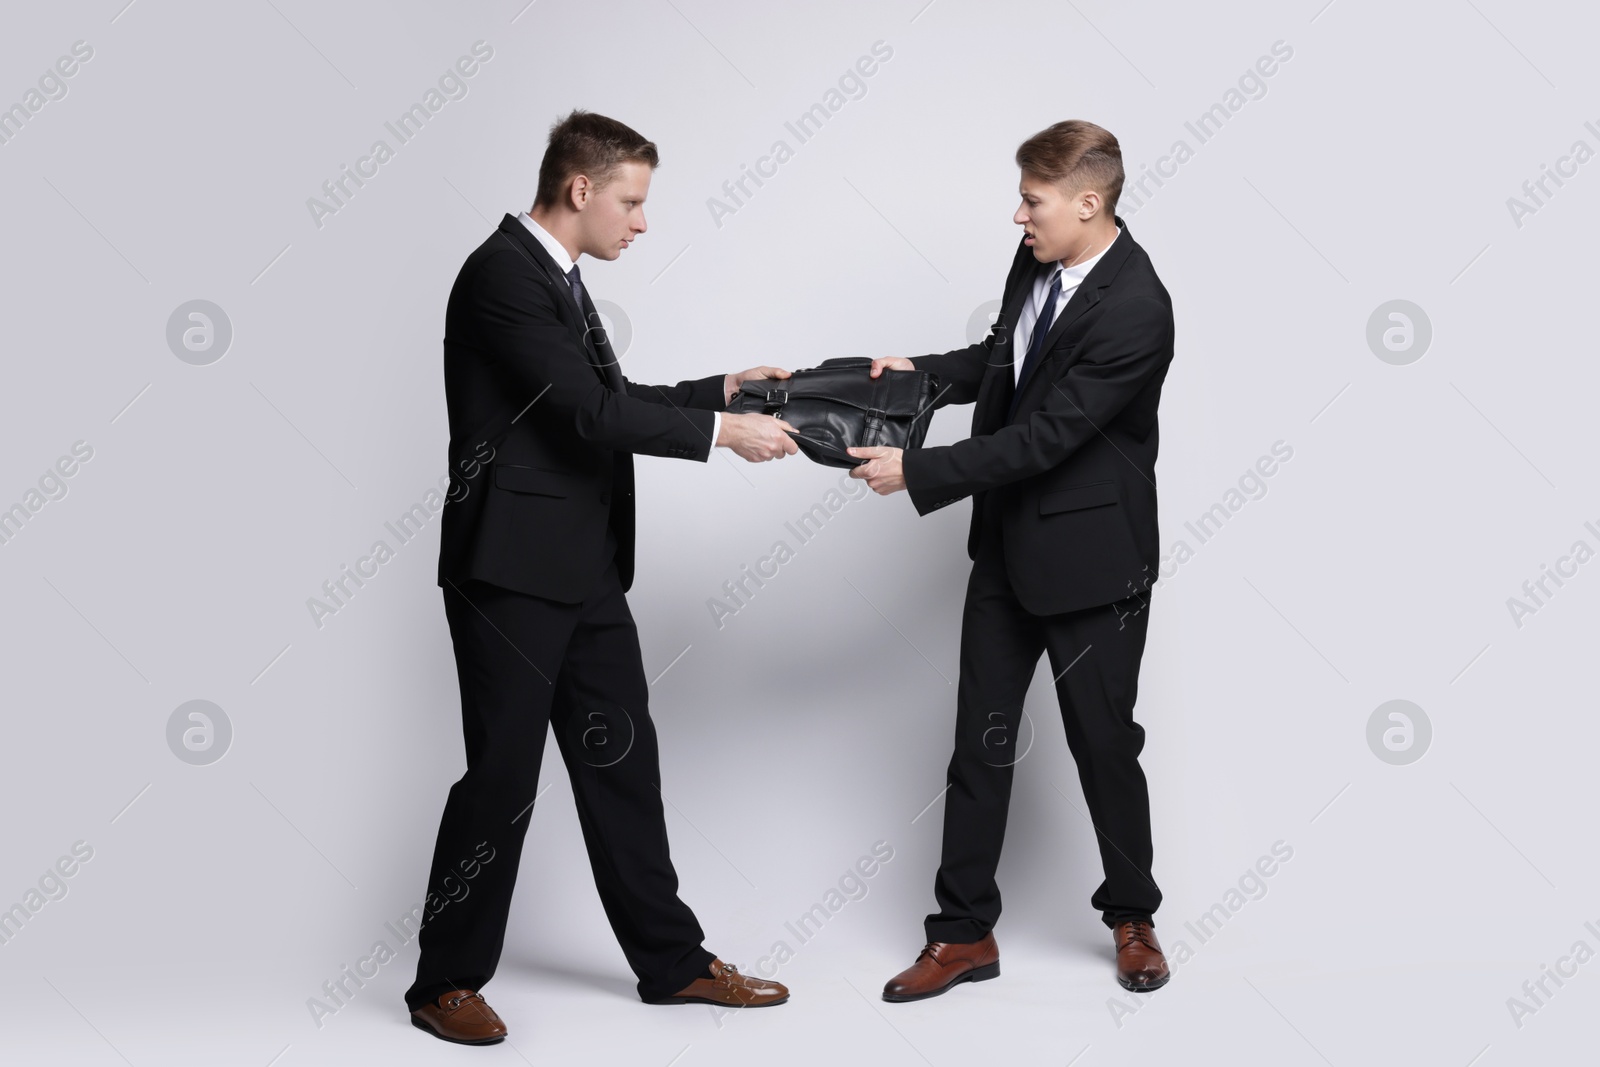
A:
{"x": 984, "y": 973}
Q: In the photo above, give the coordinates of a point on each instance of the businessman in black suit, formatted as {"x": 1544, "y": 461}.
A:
{"x": 535, "y": 555}
{"x": 1061, "y": 470}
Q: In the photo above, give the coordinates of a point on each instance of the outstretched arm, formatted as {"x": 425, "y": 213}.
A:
{"x": 519, "y": 326}
{"x": 960, "y": 372}
{"x": 707, "y": 394}
{"x": 712, "y": 393}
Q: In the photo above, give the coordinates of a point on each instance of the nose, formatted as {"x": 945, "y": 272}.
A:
{"x": 642, "y": 224}
{"x": 1021, "y": 215}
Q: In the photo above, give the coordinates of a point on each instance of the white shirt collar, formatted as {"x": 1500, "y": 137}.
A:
{"x": 1079, "y": 271}
{"x": 551, "y": 245}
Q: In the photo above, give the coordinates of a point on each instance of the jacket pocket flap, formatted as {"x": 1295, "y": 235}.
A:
{"x": 530, "y": 480}
{"x": 1079, "y": 496}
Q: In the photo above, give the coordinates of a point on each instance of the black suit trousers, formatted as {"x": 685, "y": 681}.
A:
{"x": 527, "y": 666}
{"x": 1094, "y": 658}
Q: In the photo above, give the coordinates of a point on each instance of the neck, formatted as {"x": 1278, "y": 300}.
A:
{"x": 562, "y": 225}
{"x": 1098, "y": 241}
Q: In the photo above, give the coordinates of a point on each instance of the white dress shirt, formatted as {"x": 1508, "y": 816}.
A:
{"x": 564, "y": 264}
{"x": 1071, "y": 278}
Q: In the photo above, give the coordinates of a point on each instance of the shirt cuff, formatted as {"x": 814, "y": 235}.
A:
{"x": 716, "y": 427}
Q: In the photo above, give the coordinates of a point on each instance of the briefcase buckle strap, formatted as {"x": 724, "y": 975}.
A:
{"x": 777, "y": 398}
{"x": 872, "y": 430}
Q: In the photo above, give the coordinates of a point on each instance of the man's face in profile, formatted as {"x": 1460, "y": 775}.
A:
{"x": 1049, "y": 216}
{"x": 613, "y": 215}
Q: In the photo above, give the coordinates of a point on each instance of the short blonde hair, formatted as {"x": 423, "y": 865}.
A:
{"x": 1076, "y": 154}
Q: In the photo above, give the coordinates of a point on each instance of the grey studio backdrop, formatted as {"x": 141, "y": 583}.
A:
{"x": 1376, "y": 454}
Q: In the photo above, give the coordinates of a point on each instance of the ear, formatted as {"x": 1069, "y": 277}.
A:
{"x": 1089, "y": 204}
{"x": 579, "y": 192}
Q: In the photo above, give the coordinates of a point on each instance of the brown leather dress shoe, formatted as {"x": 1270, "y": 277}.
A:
{"x": 728, "y": 988}
{"x": 462, "y": 1016}
{"x": 942, "y": 964}
{"x": 1140, "y": 965}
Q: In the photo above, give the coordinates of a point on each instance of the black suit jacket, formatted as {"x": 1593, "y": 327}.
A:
{"x": 1073, "y": 472}
{"x": 530, "y": 512}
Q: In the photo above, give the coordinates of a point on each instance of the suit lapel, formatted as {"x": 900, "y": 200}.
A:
{"x": 1011, "y": 313}
{"x": 580, "y": 319}
{"x": 994, "y": 393}
{"x": 598, "y": 345}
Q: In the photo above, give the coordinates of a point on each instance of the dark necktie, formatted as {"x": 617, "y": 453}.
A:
{"x": 1047, "y": 315}
{"x": 575, "y": 280}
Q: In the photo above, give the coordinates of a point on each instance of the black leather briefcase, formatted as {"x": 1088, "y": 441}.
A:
{"x": 839, "y": 405}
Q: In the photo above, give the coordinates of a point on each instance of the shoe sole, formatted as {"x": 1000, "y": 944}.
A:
{"x": 425, "y": 1028}
{"x": 719, "y": 1003}
{"x": 977, "y": 974}
{"x": 1134, "y": 987}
